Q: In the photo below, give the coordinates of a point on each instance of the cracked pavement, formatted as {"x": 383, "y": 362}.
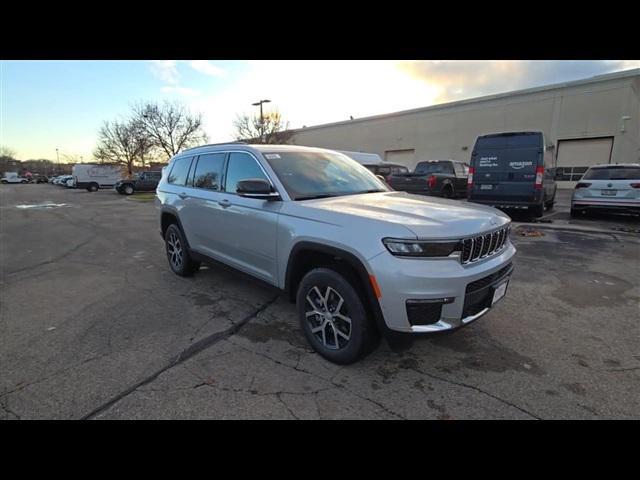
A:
{"x": 94, "y": 325}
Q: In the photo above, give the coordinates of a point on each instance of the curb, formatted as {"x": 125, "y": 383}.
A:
{"x": 573, "y": 228}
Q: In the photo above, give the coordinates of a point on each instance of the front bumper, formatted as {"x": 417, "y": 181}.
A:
{"x": 402, "y": 279}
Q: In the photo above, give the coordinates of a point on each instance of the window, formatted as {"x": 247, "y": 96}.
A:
{"x": 434, "y": 167}
{"x": 459, "y": 169}
{"x": 384, "y": 171}
{"x": 613, "y": 173}
{"x": 396, "y": 170}
{"x": 209, "y": 171}
{"x": 308, "y": 175}
{"x": 179, "y": 171}
{"x": 242, "y": 166}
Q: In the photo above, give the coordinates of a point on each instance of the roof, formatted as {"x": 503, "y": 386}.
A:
{"x": 259, "y": 147}
{"x": 605, "y": 165}
{"x": 635, "y": 72}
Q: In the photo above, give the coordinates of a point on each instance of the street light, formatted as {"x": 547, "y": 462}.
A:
{"x": 261, "y": 117}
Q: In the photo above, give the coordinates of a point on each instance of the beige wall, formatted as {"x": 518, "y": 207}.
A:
{"x": 577, "y": 111}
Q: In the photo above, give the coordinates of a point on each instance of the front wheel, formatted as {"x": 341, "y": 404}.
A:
{"x": 128, "y": 190}
{"x": 333, "y": 317}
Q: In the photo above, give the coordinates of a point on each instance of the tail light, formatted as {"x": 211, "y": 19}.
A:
{"x": 539, "y": 175}
{"x": 472, "y": 170}
{"x": 431, "y": 181}
{"x": 635, "y": 185}
{"x": 585, "y": 185}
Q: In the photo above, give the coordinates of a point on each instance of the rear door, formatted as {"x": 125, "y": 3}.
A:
{"x": 505, "y": 167}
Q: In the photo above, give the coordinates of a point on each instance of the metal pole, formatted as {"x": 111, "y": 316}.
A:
{"x": 261, "y": 124}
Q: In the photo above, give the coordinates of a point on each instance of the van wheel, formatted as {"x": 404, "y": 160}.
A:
{"x": 93, "y": 187}
{"x": 333, "y": 317}
{"x": 537, "y": 211}
{"x": 177, "y": 253}
{"x": 128, "y": 190}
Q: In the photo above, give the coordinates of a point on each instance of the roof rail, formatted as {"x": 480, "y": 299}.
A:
{"x": 214, "y": 144}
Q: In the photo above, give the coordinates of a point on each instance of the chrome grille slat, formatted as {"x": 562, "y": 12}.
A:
{"x": 483, "y": 246}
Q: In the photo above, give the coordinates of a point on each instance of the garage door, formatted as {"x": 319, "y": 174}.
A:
{"x": 575, "y": 156}
{"x": 403, "y": 157}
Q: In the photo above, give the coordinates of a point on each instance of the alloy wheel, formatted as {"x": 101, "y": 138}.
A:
{"x": 328, "y": 318}
{"x": 174, "y": 251}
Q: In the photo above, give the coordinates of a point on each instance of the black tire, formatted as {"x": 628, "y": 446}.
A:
{"x": 537, "y": 211}
{"x": 447, "y": 191}
{"x": 127, "y": 189}
{"x": 93, "y": 187}
{"x": 178, "y": 256}
{"x": 549, "y": 205}
{"x": 362, "y": 335}
{"x": 576, "y": 213}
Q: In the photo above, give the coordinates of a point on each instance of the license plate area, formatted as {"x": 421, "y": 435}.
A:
{"x": 499, "y": 292}
{"x": 486, "y": 187}
{"x": 609, "y": 193}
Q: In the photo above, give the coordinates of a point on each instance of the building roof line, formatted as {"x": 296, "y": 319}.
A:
{"x": 635, "y": 72}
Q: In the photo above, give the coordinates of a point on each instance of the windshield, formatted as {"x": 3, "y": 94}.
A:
{"x": 613, "y": 173}
{"x": 307, "y": 175}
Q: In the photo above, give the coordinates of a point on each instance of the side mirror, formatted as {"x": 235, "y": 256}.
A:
{"x": 256, "y": 188}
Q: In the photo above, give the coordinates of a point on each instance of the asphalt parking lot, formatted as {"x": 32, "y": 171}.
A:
{"x": 95, "y": 325}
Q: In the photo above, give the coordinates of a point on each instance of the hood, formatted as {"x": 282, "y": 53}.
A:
{"x": 425, "y": 217}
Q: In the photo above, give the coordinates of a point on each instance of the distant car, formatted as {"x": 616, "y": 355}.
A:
{"x": 70, "y": 183}
{"x": 608, "y": 187}
{"x": 512, "y": 170}
{"x": 438, "y": 178}
{"x": 12, "y": 177}
{"x": 386, "y": 169}
{"x": 62, "y": 180}
{"x": 39, "y": 179}
{"x": 142, "y": 182}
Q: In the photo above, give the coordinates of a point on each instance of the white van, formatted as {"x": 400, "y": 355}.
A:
{"x": 93, "y": 177}
{"x": 363, "y": 158}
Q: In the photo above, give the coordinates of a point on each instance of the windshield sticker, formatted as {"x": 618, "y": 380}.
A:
{"x": 519, "y": 165}
{"x": 271, "y": 156}
{"x": 488, "y": 161}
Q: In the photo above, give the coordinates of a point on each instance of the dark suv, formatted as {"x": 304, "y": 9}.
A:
{"x": 141, "y": 182}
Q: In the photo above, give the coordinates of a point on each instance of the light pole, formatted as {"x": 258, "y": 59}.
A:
{"x": 58, "y": 157}
{"x": 261, "y": 117}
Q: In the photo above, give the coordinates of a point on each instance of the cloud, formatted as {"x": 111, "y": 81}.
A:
{"x": 166, "y": 70}
{"x": 206, "y": 67}
{"x": 183, "y": 91}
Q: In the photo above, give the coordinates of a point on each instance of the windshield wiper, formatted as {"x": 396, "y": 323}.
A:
{"x": 319, "y": 195}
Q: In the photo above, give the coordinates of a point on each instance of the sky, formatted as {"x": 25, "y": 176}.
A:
{"x": 46, "y": 105}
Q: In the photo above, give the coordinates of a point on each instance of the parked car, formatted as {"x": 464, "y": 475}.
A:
{"x": 141, "y": 182}
{"x": 358, "y": 259}
{"x": 62, "y": 180}
{"x": 441, "y": 178}
{"x": 94, "y": 177}
{"x": 70, "y": 182}
{"x": 386, "y": 169}
{"x": 512, "y": 170}
{"x": 608, "y": 188}
{"x": 39, "y": 179}
{"x": 13, "y": 177}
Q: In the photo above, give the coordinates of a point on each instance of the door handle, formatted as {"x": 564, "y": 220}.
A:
{"x": 182, "y": 195}
{"x": 224, "y": 203}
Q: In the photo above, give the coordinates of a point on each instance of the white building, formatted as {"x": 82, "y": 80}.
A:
{"x": 595, "y": 120}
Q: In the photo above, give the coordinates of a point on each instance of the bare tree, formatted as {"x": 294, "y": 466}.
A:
{"x": 120, "y": 143}
{"x": 169, "y": 126}
{"x": 6, "y": 152}
{"x": 269, "y": 129}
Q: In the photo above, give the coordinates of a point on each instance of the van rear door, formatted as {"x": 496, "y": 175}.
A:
{"x": 505, "y": 167}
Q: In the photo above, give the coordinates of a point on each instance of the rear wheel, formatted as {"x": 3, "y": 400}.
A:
{"x": 93, "y": 187}
{"x": 177, "y": 253}
{"x": 537, "y": 211}
{"x": 447, "y": 191}
{"x": 128, "y": 189}
{"x": 576, "y": 212}
{"x": 333, "y": 317}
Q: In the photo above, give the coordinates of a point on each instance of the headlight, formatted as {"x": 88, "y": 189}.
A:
{"x": 418, "y": 248}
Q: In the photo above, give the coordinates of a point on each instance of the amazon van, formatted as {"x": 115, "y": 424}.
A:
{"x": 512, "y": 170}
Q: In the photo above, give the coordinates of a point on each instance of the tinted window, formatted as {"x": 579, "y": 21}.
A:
{"x": 613, "y": 173}
{"x": 384, "y": 171}
{"x": 179, "y": 171}
{"x": 396, "y": 170}
{"x": 434, "y": 167}
{"x": 459, "y": 169}
{"x": 242, "y": 166}
{"x": 510, "y": 140}
{"x": 209, "y": 171}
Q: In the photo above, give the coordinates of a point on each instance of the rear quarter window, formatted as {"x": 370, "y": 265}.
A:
{"x": 179, "y": 171}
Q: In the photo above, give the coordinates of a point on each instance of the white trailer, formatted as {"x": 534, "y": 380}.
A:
{"x": 93, "y": 177}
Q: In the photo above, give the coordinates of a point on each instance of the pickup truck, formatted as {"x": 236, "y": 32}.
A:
{"x": 440, "y": 178}
{"x": 142, "y": 182}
